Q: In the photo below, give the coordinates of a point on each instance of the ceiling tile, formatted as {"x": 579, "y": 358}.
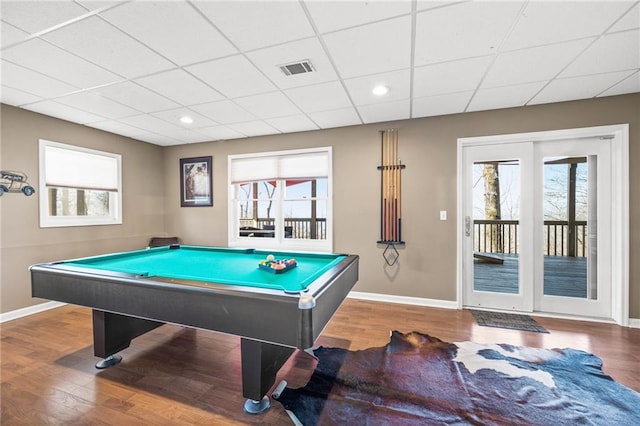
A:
{"x": 99, "y": 4}
{"x": 11, "y": 96}
{"x": 397, "y": 110}
{"x": 136, "y": 96}
{"x": 613, "y": 52}
{"x": 270, "y": 59}
{"x": 186, "y": 136}
{"x": 157, "y": 139}
{"x": 335, "y": 15}
{"x": 336, "y": 118}
{"x": 262, "y": 24}
{"x": 433, "y": 4}
{"x": 253, "y": 128}
{"x": 462, "y": 30}
{"x": 533, "y": 64}
{"x": 35, "y": 16}
{"x": 10, "y": 34}
{"x": 449, "y": 77}
{"x": 150, "y": 123}
{"x": 174, "y": 115}
{"x": 268, "y": 105}
{"x": 98, "y": 104}
{"x": 65, "y": 112}
{"x": 371, "y": 49}
{"x": 105, "y": 45}
{"x": 398, "y": 83}
{"x": 629, "y": 21}
{"x": 504, "y": 97}
{"x": 181, "y": 87}
{"x": 32, "y": 82}
{"x": 224, "y": 112}
{"x": 563, "y": 21}
{"x": 116, "y": 127}
{"x": 233, "y": 77}
{"x": 629, "y": 85}
{"x": 452, "y": 103}
{"x": 174, "y": 29}
{"x": 293, "y": 123}
{"x": 583, "y": 87}
{"x": 220, "y": 132}
{"x": 54, "y": 62}
{"x": 319, "y": 97}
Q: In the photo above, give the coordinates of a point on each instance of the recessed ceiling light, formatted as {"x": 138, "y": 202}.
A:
{"x": 380, "y": 90}
{"x": 186, "y": 119}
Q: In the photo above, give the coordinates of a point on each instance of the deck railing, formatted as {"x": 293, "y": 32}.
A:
{"x": 303, "y": 228}
{"x": 501, "y": 236}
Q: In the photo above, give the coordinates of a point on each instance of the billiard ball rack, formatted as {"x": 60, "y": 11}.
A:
{"x": 267, "y": 267}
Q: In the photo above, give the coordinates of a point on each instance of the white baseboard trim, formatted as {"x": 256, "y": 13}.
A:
{"x": 30, "y": 310}
{"x": 634, "y": 322}
{"x": 405, "y": 300}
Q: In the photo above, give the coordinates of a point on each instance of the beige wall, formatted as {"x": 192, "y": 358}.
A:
{"x": 23, "y": 242}
{"x": 427, "y": 265}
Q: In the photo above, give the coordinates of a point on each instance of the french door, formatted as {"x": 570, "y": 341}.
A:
{"x": 537, "y": 226}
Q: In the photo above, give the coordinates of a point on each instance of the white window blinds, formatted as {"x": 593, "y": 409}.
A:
{"x": 296, "y": 165}
{"x": 72, "y": 168}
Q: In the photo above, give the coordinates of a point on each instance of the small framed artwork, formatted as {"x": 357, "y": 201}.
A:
{"x": 196, "y": 182}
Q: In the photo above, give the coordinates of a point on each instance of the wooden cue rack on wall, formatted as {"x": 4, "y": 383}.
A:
{"x": 391, "y": 190}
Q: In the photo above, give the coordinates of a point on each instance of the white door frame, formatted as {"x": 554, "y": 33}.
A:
{"x": 619, "y": 136}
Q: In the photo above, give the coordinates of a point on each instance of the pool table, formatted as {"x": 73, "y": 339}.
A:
{"x": 213, "y": 288}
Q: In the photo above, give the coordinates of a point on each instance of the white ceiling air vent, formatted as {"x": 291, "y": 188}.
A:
{"x": 300, "y": 67}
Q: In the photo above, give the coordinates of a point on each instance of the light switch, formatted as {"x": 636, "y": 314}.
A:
{"x": 443, "y": 215}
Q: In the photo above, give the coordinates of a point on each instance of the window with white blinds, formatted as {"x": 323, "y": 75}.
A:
{"x": 296, "y": 165}
{"x": 281, "y": 200}
{"x": 79, "y": 186}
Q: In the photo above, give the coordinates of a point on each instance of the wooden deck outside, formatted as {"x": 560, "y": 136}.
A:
{"x": 564, "y": 276}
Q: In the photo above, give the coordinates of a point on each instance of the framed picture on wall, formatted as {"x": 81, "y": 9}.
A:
{"x": 196, "y": 182}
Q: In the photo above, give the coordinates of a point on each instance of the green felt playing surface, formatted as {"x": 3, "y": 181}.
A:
{"x": 215, "y": 265}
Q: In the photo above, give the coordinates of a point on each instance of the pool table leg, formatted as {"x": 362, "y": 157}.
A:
{"x": 260, "y": 364}
{"x": 114, "y": 332}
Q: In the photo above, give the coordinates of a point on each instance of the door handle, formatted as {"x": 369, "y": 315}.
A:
{"x": 467, "y": 226}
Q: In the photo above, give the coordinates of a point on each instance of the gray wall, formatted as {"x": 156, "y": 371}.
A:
{"x": 23, "y": 242}
{"x": 427, "y": 265}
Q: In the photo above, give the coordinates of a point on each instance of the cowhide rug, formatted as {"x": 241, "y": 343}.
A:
{"x": 417, "y": 379}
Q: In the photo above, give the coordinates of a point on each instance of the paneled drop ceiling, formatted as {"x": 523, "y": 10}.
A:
{"x": 136, "y": 68}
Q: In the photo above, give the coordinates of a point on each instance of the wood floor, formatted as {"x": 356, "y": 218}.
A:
{"x": 180, "y": 376}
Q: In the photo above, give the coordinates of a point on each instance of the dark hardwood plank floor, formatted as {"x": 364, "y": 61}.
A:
{"x": 180, "y": 376}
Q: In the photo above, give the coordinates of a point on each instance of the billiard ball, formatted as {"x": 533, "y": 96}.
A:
{"x": 271, "y": 258}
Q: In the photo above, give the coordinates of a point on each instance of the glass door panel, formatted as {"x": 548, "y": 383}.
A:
{"x": 496, "y": 214}
{"x": 574, "y": 227}
{"x": 498, "y": 236}
{"x": 566, "y": 210}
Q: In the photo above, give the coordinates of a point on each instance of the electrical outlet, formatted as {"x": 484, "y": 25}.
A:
{"x": 443, "y": 215}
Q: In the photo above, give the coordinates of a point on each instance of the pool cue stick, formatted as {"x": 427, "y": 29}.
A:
{"x": 395, "y": 185}
{"x": 382, "y": 212}
{"x": 390, "y": 189}
{"x": 385, "y": 185}
{"x": 400, "y": 200}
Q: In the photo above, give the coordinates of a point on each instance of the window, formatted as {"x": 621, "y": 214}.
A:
{"x": 281, "y": 200}
{"x": 79, "y": 186}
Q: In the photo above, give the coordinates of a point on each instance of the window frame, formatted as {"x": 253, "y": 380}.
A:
{"x": 279, "y": 241}
{"x": 115, "y": 198}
